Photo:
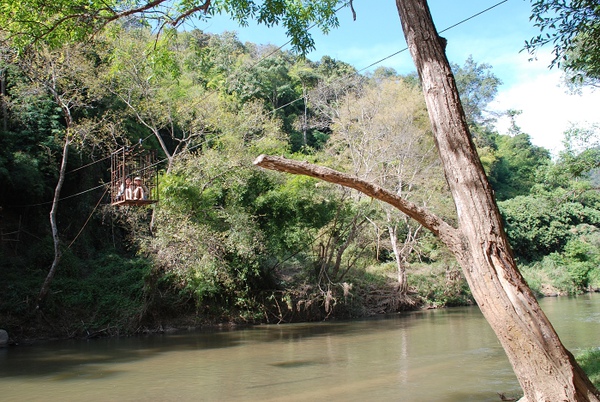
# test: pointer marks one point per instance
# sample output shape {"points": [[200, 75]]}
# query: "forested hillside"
{"points": [[230, 242]]}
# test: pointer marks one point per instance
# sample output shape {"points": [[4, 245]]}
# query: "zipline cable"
{"points": [[346, 4], [88, 219], [397, 52], [63, 198], [473, 16], [87, 165]]}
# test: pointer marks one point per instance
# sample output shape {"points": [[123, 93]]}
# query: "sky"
{"points": [[496, 37]]}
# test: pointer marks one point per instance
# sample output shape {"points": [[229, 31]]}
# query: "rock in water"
{"points": [[3, 338]]}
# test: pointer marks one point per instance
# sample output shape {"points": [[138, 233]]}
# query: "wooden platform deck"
{"points": [[136, 203]]}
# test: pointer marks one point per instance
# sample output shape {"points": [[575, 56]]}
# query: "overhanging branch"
{"points": [[449, 235]]}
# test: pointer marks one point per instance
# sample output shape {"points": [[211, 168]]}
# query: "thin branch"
{"points": [[132, 11], [203, 7]]}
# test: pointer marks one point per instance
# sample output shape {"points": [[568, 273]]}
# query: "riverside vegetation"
{"points": [[232, 243]]}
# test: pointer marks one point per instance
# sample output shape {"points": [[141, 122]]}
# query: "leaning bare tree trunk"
{"points": [[55, 237], [545, 369]]}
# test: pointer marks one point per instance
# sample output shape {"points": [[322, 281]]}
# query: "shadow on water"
{"points": [[65, 360]]}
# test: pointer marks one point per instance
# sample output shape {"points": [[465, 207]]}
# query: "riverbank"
{"points": [[302, 304], [379, 302], [116, 301]]}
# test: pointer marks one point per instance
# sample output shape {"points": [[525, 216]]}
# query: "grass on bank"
{"points": [[589, 360]]}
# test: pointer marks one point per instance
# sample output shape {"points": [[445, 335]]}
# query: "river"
{"points": [[433, 355]]}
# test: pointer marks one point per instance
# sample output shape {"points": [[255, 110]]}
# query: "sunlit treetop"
{"points": [[55, 22]]}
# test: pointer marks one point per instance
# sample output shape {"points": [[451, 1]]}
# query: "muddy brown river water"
{"points": [[434, 355]]}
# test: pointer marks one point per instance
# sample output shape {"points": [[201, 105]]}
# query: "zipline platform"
{"points": [[137, 203], [133, 177]]}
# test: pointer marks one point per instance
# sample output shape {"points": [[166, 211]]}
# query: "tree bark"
{"points": [[543, 366], [443, 230], [545, 369], [3, 75], [400, 268], [53, 224]]}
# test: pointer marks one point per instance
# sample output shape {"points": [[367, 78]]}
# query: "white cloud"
{"points": [[547, 109]]}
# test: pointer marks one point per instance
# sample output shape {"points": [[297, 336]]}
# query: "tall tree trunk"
{"points": [[54, 226], [545, 369], [400, 268]]}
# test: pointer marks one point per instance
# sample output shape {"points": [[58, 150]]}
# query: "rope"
{"points": [[88, 219]]}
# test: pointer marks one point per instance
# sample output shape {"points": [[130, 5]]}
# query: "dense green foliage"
{"points": [[516, 165], [573, 28], [229, 241], [541, 223], [554, 227], [58, 22]]}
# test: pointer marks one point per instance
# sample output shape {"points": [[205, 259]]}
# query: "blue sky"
{"points": [[495, 37]]}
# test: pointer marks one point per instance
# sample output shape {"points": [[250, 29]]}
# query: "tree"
{"points": [[477, 86], [546, 370], [337, 80], [542, 223], [158, 91], [382, 73], [542, 217], [514, 172], [581, 154], [306, 78], [573, 27], [382, 133], [66, 75]]}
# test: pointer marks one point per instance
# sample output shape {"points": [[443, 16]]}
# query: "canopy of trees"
{"points": [[59, 21]]}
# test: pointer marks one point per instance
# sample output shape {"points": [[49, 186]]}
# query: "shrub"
{"points": [[110, 294], [440, 285]]}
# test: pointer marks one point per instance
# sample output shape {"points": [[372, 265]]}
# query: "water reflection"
{"points": [[445, 355]]}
